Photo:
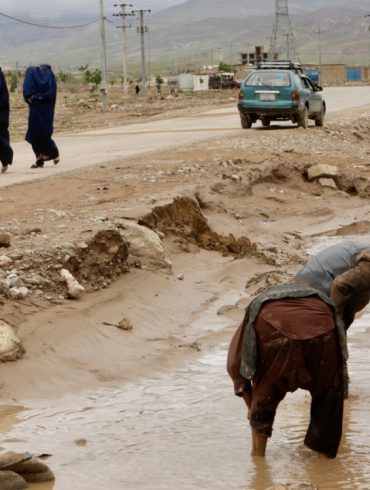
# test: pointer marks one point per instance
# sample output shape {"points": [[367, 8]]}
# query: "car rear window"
{"points": [[268, 79]]}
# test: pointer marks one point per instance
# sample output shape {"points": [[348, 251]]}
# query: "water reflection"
{"points": [[187, 429]]}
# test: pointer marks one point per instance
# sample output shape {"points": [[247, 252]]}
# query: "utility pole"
{"points": [[319, 32], [103, 85], [17, 75], [231, 53], [142, 30], [123, 14], [367, 17], [219, 54]]}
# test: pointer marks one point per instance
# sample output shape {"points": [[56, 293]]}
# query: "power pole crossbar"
{"points": [[142, 30], [123, 14]]}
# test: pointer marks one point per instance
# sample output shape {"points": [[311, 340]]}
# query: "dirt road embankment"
{"points": [[244, 197]]}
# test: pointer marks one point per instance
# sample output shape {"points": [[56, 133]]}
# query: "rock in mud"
{"points": [[322, 170], [146, 249], [125, 324], [11, 348], [74, 288], [325, 182], [11, 481], [5, 261], [33, 471], [4, 239]]}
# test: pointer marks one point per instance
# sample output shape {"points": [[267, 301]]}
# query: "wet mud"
{"points": [[185, 428]]}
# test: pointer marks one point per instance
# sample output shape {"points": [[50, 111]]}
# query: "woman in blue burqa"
{"points": [[6, 152], [39, 91]]}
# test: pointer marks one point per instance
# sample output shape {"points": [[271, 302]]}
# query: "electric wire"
{"points": [[46, 26]]}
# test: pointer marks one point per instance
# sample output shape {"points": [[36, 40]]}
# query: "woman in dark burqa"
{"points": [[6, 152], [39, 91]]}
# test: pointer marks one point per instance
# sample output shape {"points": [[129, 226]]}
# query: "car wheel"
{"points": [[265, 122], [302, 118], [319, 120], [245, 121]]}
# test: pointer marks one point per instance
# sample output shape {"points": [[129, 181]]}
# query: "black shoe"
{"points": [[38, 164], [56, 160]]}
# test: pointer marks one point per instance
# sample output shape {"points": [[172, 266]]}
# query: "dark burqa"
{"points": [[6, 152], [39, 91]]}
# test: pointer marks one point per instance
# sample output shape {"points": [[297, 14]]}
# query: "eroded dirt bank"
{"points": [[150, 406]]}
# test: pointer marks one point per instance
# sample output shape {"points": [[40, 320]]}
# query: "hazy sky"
{"points": [[51, 8]]}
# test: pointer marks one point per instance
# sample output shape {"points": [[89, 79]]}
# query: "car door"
{"points": [[314, 98]]}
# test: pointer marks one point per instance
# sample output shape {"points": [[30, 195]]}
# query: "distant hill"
{"points": [[196, 32]]}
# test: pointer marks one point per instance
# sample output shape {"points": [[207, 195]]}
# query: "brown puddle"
{"points": [[186, 430]]}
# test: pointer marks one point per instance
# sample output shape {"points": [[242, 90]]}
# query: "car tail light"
{"points": [[240, 96], [295, 95]]}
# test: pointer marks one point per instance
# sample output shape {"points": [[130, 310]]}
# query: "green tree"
{"points": [[64, 76], [13, 81], [90, 76], [225, 67], [159, 80]]}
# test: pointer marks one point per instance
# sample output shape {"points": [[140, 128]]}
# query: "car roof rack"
{"points": [[280, 65]]}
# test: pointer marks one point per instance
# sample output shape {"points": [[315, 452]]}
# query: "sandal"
{"points": [[38, 164]]}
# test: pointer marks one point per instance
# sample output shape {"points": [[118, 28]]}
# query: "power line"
{"points": [[22, 21]]}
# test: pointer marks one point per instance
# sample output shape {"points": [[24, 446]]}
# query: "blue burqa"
{"points": [[6, 152], [40, 91]]}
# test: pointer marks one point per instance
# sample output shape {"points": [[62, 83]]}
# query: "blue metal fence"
{"points": [[354, 75]]}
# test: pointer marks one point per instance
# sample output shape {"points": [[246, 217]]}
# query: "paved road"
{"points": [[93, 147]]}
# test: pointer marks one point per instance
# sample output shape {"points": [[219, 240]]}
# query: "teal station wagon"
{"points": [[279, 91]]}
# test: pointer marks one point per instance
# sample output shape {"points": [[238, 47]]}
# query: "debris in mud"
{"points": [[321, 170], [304, 485], [4, 239], [183, 218], [80, 442], [193, 345], [124, 324], [102, 258], [11, 348], [74, 288], [226, 309], [325, 182], [264, 280], [16, 469]]}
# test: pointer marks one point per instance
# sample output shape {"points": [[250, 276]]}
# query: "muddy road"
{"points": [[152, 407]]}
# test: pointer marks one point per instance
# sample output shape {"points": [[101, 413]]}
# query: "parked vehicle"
{"points": [[313, 74], [222, 80], [280, 91]]}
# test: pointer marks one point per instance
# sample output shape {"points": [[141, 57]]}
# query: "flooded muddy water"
{"points": [[186, 430]]}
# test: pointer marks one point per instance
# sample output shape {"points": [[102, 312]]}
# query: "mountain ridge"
{"points": [[192, 34]]}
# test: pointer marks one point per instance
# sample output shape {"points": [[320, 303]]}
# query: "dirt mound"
{"points": [[183, 218], [245, 177], [100, 259]]}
